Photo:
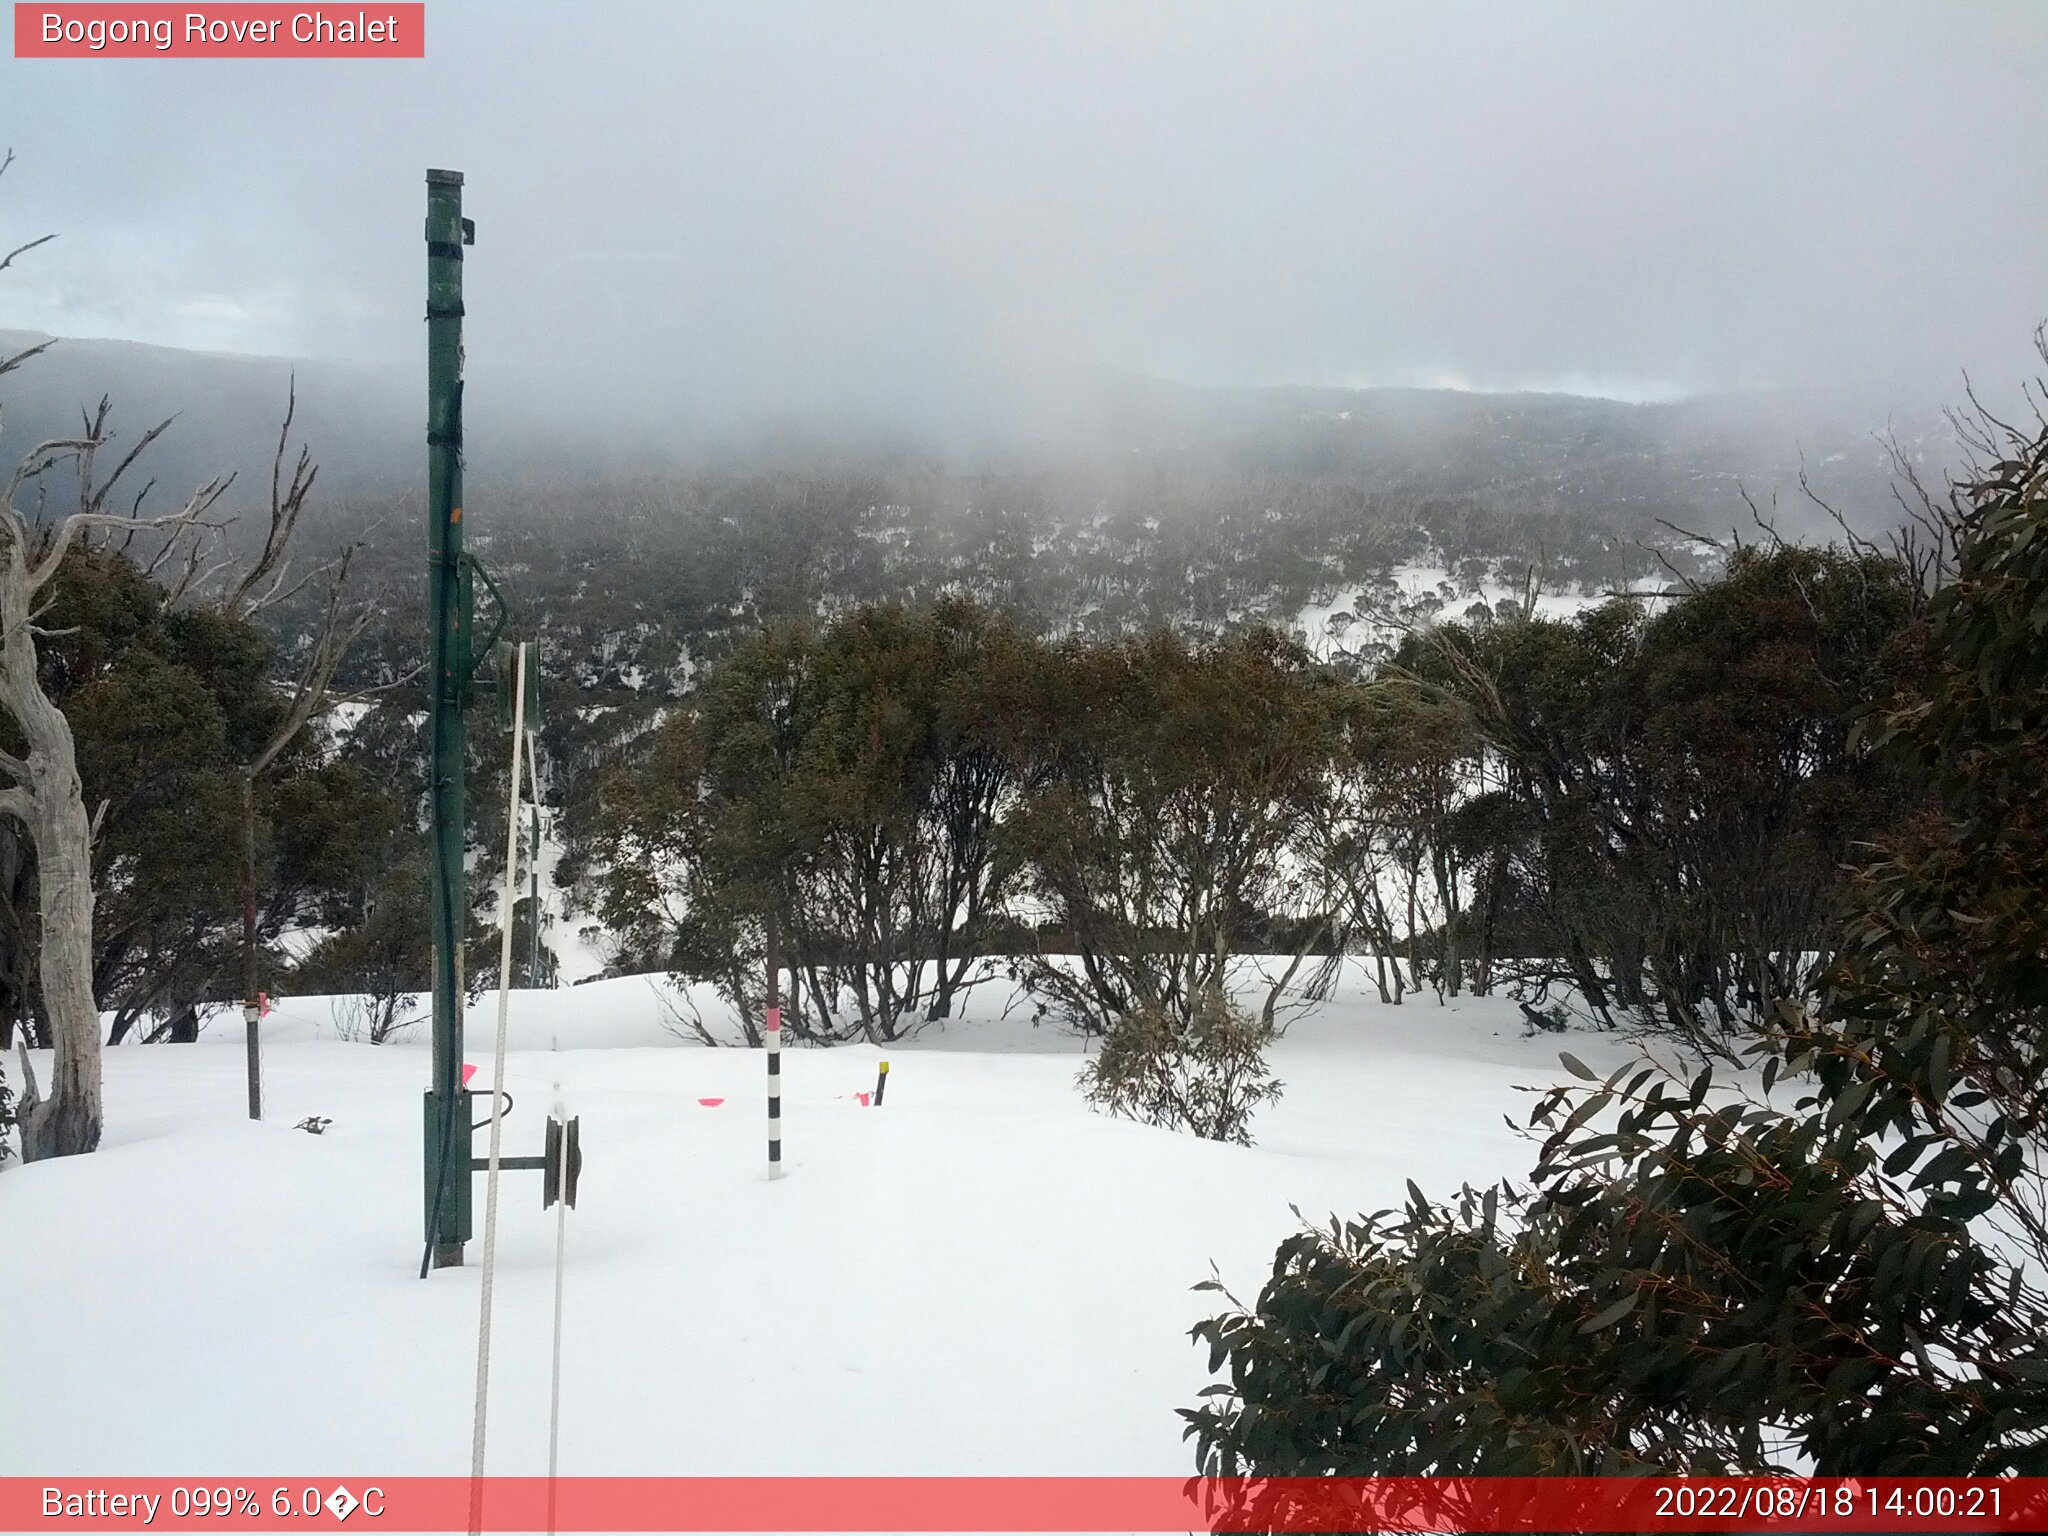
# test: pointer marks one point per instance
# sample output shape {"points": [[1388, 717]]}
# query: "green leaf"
{"points": [[1607, 1317]]}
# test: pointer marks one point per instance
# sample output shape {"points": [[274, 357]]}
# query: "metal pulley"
{"points": [[564, 1162]]}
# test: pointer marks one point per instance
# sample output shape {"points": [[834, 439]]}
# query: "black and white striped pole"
{"points": [[774, 1039]]}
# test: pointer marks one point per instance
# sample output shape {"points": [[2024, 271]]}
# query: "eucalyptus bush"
{"points": [[1207, 1074], [1701, 1278]]}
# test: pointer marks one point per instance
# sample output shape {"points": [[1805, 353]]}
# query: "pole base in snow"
{"points": [[447, 1190], [777, 1171]]}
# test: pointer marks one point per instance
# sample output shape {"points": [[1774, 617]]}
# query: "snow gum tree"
{"points": [[849, 787], [1380, 836], [1172, 834], [1666, 801]]}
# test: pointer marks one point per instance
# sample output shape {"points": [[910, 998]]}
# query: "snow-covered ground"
{"points": [[983, 1276]]}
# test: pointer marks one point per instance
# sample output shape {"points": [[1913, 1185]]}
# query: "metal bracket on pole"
{"points": [[473, 569]]}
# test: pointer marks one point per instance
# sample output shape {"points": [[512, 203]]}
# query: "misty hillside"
{"points": [[228, 409], [1687, 461]]}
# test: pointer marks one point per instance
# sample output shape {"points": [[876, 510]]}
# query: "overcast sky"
{"points": [[788, 207]]}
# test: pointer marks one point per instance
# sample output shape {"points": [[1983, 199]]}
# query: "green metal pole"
{"points": [[448, 667]]}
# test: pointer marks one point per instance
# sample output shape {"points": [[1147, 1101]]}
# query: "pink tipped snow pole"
{"points": [[774, 1037]]}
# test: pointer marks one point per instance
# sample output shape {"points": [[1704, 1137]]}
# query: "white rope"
{"points": [[483, 1326], [533, 778], [561, 1249]]}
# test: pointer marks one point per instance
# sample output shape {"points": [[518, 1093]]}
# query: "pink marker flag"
{"points": [[711, 1103], [468, 1071]]}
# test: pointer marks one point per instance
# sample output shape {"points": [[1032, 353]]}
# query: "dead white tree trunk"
{"points": [[45, 796], [42, 786]]}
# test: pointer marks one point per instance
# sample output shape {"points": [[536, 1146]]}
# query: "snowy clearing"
{"points": [[982, 1277]]}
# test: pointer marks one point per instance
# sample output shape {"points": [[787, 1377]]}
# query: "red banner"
{"points": [[115, 31], [1134, 1504]]}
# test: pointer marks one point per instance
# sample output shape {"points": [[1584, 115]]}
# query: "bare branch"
{"points": [[1697, 538], [287, 501], [1639, 594], [8, 260], [169, 548], [10, 363], [1688, 583], [1768, 525], [40, 459], [191, 515], [2012, 433], [1858, 544], [338, 631], [22, 250], [405, 679], [92, 500], [193, 578]]}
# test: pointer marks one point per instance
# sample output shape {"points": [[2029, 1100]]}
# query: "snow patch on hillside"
{"points": [[1364, 622]]}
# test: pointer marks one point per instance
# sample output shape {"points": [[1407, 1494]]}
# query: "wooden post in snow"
{"points": [[252, 1006]]}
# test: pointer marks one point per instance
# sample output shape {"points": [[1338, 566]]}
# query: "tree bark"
{"points": [[66, 1121], [17, 893]]}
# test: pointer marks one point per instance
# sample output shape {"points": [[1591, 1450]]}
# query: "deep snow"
{"points": [[983, 1276]]}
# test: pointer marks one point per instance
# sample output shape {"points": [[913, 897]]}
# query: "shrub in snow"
{"points": [[375, 1018], [1207, 1075], [6, 1114]]}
